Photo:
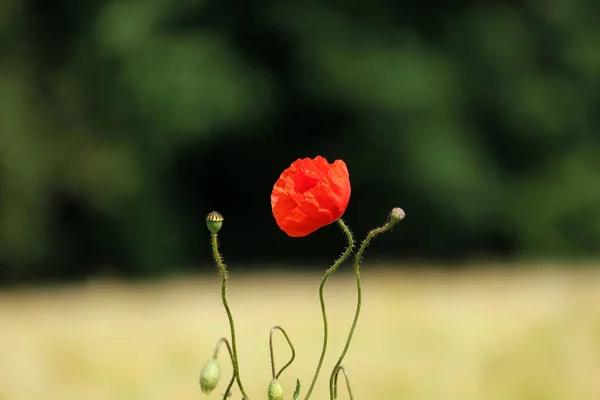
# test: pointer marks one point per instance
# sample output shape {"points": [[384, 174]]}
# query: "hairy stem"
{"points": [[328, 273], [335, 382], [224, 280], [274, 374], [392, 220], [216, 353]]}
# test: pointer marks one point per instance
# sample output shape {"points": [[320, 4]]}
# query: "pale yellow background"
{"points": [[532, 334]]}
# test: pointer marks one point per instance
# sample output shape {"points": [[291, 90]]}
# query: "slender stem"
{"points": [[273, 329], [224, 280], [341, 368], [328, 273], [351, 333], [216, 353], [392, 219]]}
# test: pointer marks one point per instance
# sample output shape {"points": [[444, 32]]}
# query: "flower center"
{"points": [[303, 183]]}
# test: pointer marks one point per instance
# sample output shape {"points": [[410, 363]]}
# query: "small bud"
{"points": [[209, 377], [397, 214], [275, 390], [214, 222]]}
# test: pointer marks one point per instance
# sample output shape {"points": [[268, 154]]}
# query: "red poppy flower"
{"points": [[310, 194]]}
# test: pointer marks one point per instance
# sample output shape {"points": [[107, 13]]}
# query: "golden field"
{"points": [[489, 334]]}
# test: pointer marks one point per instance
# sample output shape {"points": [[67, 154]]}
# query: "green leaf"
{"points": [[297, 391]]}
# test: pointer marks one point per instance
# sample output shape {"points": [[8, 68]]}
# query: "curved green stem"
{"points": [[216, 353], [224, 280], [393, 218], [341, 368], [328, 273], [291, 360]]}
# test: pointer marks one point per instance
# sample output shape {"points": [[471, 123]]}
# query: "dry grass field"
{"points": [[485, 335]]}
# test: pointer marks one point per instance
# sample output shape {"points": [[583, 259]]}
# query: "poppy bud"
{"points": [[209, 377], [397, 214], [275, 390], [214, 222]]}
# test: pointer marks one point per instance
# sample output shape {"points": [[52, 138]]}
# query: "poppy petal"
{"points": [[310, 194]]}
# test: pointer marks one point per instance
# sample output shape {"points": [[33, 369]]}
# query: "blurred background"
{"points": [[124, 122]]}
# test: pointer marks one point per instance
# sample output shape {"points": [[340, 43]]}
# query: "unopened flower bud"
{"points": [[397, 214], [275, 390], [209, 377], [214, 222]]}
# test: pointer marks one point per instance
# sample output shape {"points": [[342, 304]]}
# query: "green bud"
{"points": [[214, 222], [209, 377], [275, 390]]}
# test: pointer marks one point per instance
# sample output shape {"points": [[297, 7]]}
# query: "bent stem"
{"points": [[216, 353], [392, 220], [335, 382], [273, 329], [224, 280], [328, 273]]}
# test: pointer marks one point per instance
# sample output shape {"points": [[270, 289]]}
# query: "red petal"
{"points": [[309, 195]]}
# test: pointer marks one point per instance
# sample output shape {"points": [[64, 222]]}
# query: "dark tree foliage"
{"points": [[125, 122]]}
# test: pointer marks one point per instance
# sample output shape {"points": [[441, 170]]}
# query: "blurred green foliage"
{"points": [[124, 122]]}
